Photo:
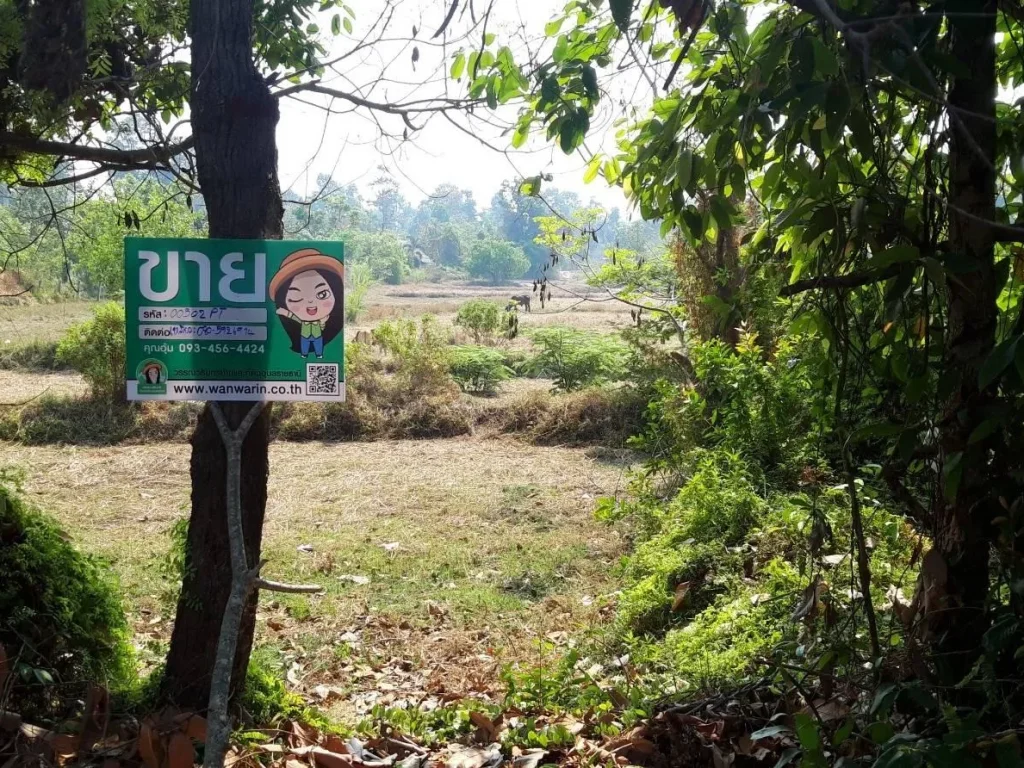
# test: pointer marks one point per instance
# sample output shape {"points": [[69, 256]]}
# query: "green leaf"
{"points": [[807, 732], [593, 167], [825, 62], [738, 179], [898, 254], [997, 362], [721, 211], [458, 66], [621, 12], [567, 135], [336, 24], [589, 78], [983, 430], [883, 699], [771, 730], [520, 135], [549, 90], [843, 733], [863, 139], [684, 167], [531, 186], [878, 429], [347, 24], [934, 269], [552, 27]]}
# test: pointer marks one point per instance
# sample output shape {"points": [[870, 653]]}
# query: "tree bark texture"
{"points": [[234, 120], [955, 617]]}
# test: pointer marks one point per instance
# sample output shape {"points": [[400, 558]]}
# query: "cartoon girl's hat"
{"points": [[303, 261]]}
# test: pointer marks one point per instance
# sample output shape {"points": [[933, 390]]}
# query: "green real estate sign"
{"points": [[234, 319]]}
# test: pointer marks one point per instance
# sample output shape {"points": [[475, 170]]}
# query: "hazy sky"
{"points": [[349, 146]]}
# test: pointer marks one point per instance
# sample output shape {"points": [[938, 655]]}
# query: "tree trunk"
{"points": [[955, 609], [234, 119]]}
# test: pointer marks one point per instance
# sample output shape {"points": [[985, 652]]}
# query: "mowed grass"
{"points": [[22, 323], [441, 560]]}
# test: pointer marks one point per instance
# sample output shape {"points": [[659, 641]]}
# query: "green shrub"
{"points": [[478, 369], [61, 620], [480, 317], [418, 354], [577, 359], [765, 408], [96, 349]]}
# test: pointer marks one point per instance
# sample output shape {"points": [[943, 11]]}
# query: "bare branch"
{"points": [[117, 157], [292, 589], [841, 282]]}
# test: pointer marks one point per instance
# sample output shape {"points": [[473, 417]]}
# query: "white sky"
{"points": [[348, 146]]}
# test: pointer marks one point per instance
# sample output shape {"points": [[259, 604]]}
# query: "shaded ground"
{"points": [[441, 559]]}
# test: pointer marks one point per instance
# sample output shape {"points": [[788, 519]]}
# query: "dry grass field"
{"points": [[447, 557], [441, 559], [572, 304]]}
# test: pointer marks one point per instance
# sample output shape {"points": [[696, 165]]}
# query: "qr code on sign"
{"points": [[322, 379]]}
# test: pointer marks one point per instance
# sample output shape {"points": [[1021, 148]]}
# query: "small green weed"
{"points": [[577, 359], [478, 369], [481, 317]]}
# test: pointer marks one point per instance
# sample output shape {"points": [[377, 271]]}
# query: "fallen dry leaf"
{"points": [[359, 581], [149, 747], [680, 595], [195, 728], [334, 743], [487, 728], [472, 757], [324, 758], [179, 751], [64, 744]]}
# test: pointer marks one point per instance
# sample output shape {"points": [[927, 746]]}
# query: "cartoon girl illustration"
{"points": [[307, 290]]}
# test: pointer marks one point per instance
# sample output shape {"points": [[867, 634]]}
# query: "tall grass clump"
{"points": [[360, 281]]}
